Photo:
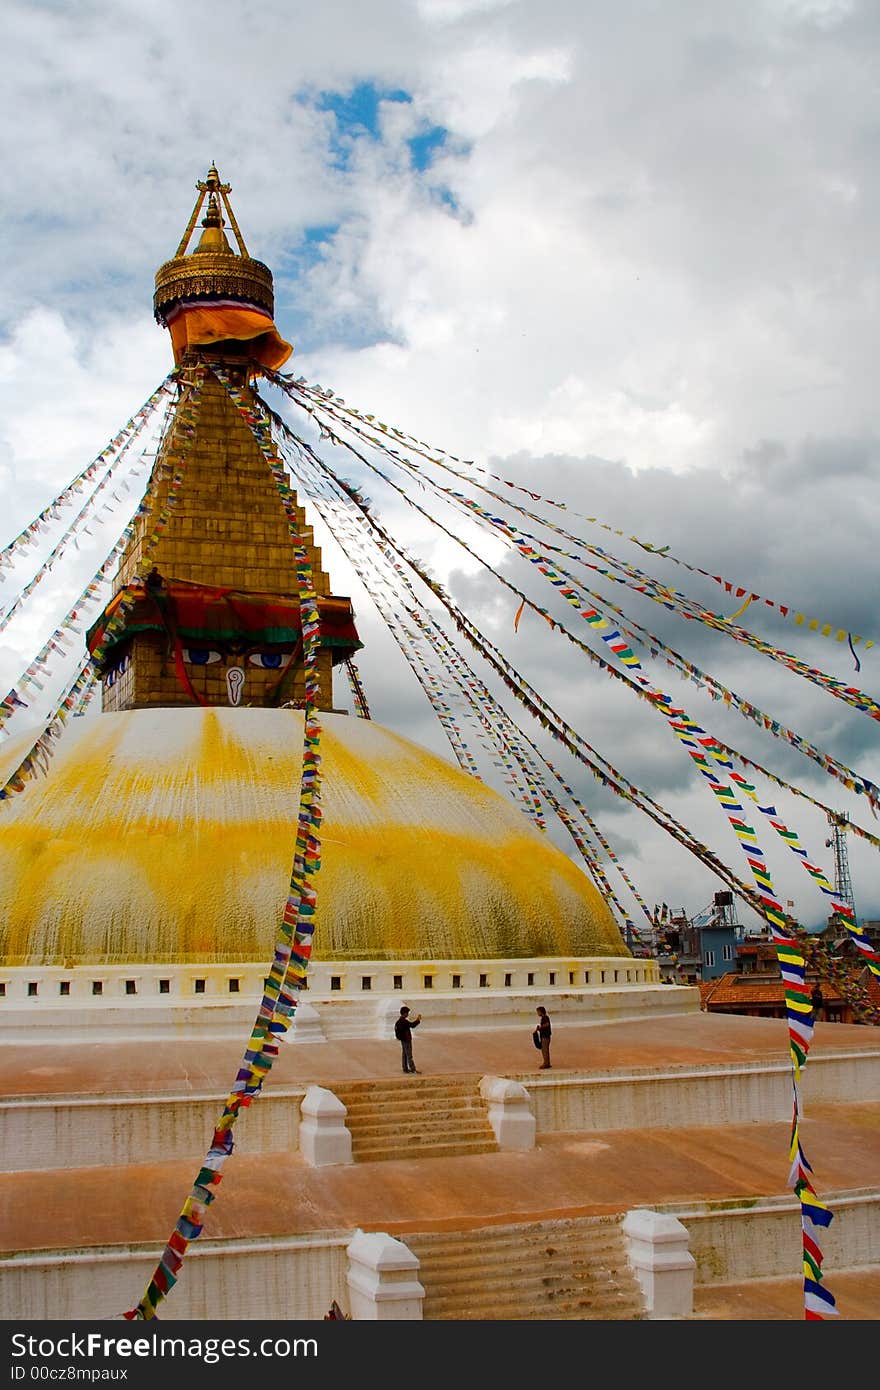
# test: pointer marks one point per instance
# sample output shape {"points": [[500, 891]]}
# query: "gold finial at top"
{"points": [[213, 238], [212, 183], [213, 217], [213, 187]]}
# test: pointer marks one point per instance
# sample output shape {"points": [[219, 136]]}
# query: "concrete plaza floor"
{"points": [[41, 1067]]}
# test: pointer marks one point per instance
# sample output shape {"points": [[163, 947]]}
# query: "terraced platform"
{"points": [[273, 1205]]}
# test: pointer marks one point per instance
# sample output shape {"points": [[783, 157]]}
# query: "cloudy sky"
{"points": [[622, 254]]}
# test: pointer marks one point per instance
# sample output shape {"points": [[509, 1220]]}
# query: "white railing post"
{"points": [[307, 1026], [324, 1137], [510, 1112], [657, 1246], [382, 1283]]}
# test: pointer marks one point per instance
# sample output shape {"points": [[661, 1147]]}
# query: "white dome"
{"points": [[168, 835]]}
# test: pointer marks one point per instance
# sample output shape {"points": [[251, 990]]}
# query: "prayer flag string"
{"points": [[358, 695], [840, 908], [701, 746], [59, 642], [155, 508], [330, 401], [87, 513], [604, 771], [294, 946], [493, 717], [383, 581], [36, 759], [311, 400], [853, 781], [27, 537]]}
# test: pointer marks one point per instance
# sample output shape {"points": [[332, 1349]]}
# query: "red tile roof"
{"points": [[762, 989], [751, 989]]}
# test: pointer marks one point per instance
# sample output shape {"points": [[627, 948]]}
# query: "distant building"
{"points": [[756, 987], [842, 942], [691, 950]]}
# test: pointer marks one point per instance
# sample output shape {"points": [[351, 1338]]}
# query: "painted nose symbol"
{"points": [[234, 684]]}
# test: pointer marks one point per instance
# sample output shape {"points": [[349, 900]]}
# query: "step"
{"points": [[412, 1089], [419, 1124], [414, 1081], [564, 1312], [590, 1245], [461, 1261], [459, 1078], [565, 1270], [483, 1298], [540, 1236], [409, 1090], [597, 1285], [416, 1125], [581, 1278], [528, 1296], [393, 1114], [413, 1132]]}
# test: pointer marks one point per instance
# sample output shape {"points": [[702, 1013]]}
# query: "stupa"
{"points": [[145, 875], [147, 871]]}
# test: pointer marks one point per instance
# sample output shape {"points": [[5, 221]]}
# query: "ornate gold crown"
{"points": [[212, 268]]}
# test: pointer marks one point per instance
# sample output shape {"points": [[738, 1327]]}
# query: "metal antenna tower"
{"points": [[839, 822]]}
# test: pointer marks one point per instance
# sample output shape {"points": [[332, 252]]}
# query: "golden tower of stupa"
{"points": [[216, 621], [164, 830]]}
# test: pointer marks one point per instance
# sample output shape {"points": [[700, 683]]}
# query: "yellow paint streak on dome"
{"points": [[163, 835], [456, 897]]}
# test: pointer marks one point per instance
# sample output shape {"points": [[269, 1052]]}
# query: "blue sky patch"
{"points": [[359, 108], [294, 263], [424, 147], [357, 115], [447, 198], [315, 237]]}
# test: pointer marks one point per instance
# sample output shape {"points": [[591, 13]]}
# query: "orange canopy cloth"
{"points": [[197, 323]]}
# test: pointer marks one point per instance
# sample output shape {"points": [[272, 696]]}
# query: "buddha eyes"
{"points": [[113, 676], [197, 657], [270, 661]]}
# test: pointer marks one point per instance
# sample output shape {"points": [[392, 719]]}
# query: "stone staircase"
{"points": [[553, 1269], [557, 1270], [416, 1117]]}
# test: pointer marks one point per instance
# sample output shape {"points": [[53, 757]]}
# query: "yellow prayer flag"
{"points": [[740, 610]]}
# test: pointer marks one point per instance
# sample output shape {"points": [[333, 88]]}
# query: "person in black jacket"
{"points": [[403, 1032], [544, 1031]]}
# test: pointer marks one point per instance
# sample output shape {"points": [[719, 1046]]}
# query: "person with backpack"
{"points": [[403, 1032], [542, 1035]]}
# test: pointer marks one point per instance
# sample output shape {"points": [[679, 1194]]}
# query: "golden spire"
{"points": [[213, 238], [212, 268]]}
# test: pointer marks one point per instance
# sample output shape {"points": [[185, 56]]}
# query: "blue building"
{"points": [[702, 947]]}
